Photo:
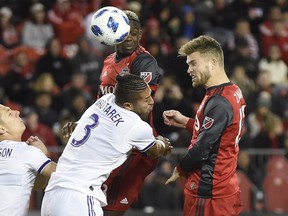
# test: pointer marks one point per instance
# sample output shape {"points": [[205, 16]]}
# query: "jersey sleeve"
{"points": [[146, 67], [141, 136], [35, 159], [218, 114]]}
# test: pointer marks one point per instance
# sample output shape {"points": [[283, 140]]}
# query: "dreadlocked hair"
{"points": [[128, 87]]}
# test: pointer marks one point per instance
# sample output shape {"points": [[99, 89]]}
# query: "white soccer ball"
{"points": [[110, 25]]}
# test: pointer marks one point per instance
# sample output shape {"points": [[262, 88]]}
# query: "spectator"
{"points": [[37, 31], [43, 106], [263, 83], [239, 77], [68, 23], [242, 30], [9, 33], [46, 83], [36, 128], [156, 195], [276, 68], [55, 63], [77, 86], [241, 55], [18, 81], [86, 61], [170, 96], [264, 127], [266, 27], [245, 164], [279, 38]]}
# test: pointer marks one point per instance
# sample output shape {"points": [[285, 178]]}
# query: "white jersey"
{"points": [[19, 164], [101, 142]]}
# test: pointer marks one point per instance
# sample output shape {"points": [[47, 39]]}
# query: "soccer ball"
{"points": [[110, 25]]}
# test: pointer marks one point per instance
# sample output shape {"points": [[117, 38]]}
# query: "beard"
{"points": [[201, 79]]}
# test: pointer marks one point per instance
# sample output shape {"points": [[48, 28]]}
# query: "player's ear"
{"points": [[128, 106], [2, 130]]}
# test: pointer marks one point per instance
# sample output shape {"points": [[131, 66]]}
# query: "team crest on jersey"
{"points": [[147, 76], [208, 122], [125, 69]]}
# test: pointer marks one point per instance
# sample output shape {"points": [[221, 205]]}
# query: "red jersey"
{"points": [[140, 63], [123, 185], [210, 164]]}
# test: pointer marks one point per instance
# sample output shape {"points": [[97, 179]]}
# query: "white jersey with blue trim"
{"points": [[102, 141], [19, 164]]}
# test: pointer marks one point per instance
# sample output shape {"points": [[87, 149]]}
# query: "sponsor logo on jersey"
{"points": [[147, 76], [208, 122], [124, 201]]}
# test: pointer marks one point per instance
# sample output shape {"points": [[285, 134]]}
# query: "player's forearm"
{"points": [[160, 148]]}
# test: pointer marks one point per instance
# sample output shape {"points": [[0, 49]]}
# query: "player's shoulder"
{"points": [[141, 50], [110, 57]]}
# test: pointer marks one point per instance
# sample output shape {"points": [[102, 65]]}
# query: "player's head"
{"points": [[133, 40], [133, 93], [204, 54], [11, 125]]}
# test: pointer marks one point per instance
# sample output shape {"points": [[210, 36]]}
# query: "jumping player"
{"points": [[124, 184], [210, 163], [102, 140], [20, 164]]}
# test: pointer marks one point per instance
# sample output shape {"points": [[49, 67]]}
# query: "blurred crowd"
{"points": [[50, 65]]}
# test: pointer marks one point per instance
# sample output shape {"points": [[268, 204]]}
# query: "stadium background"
{"points": [[50, 67]]}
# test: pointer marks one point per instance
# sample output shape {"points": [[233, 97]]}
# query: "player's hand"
{"points": [[175, 118], [175, 175], [167, 143], [68, 128], [36, 142]]}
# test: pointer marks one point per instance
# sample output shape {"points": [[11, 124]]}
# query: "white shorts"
{"points": [[60, 202]]}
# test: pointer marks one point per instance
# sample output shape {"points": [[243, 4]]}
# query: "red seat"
{"points": [[278, 162], [276, 191], [246, 187]]}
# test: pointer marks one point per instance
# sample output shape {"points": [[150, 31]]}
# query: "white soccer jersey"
{"points": [[101, 142], [19, 164]]}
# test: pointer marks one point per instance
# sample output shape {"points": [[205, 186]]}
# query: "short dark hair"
{"points": [[128, 87], [132, 16]]}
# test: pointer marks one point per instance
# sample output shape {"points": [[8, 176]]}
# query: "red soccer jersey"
{"points": [[212, 157], [140, 63], [126, 181]]}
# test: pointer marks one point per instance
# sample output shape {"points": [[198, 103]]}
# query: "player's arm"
{"points": [[218, 115], [45, 171], [42, 178], [176, 119], [161, 147]]}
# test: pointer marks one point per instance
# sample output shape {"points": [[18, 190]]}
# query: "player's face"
{"points": [[144, 105], [132, 41], [11, 120], [198, 69]]}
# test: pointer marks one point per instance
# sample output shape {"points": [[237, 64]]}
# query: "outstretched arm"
{"points": [[175, 118], [162, 147], [42, 178]]}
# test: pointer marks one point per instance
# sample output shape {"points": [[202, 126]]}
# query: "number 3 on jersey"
{"points": [[88, 128]]}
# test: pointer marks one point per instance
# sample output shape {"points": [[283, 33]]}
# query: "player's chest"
{"points": [[111, 70]]}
